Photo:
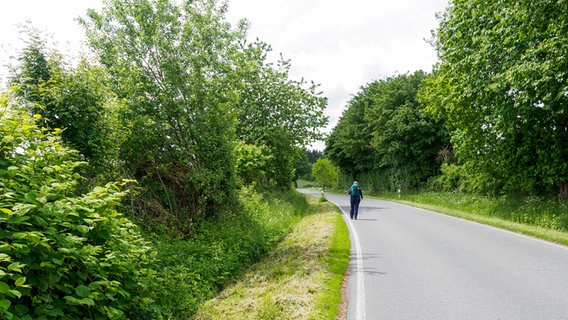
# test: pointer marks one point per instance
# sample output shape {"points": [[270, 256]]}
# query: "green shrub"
{"points": [[63, 255], [192, 271]]}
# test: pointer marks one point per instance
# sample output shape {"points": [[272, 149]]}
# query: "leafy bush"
{"points": [[192, 271], [63, 255]]}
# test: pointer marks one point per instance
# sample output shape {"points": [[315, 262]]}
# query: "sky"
{"points": [[341, 45]]}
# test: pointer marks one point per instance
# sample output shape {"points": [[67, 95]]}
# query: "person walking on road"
{"points": [[356, 196]]}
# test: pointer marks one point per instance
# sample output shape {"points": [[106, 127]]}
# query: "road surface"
{"points": [[409, 263]]}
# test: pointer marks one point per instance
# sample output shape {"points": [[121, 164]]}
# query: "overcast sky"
{"points": [[341, 45]]}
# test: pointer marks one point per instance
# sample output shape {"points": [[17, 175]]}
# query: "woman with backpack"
{"points": [[356, 196]]}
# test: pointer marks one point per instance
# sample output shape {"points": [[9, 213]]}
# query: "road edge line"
{"points": [[360, 298]]}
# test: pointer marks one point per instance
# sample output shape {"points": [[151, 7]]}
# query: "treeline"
{"points": [[384, 139], [173, 120], [490, 119]]}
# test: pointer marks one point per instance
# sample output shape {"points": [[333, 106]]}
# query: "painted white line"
{"points": [[360, 310], [360, 292]]}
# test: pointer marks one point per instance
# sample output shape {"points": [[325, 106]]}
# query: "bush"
{"points": [[193, 270], [63, 255]]}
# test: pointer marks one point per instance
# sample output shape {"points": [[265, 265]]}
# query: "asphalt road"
{"points": [[409, 263]]}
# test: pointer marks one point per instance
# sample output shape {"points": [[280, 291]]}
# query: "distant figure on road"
{"points": [[356, 196]]}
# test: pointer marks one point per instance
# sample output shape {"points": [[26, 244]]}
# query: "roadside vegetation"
{"points": [[485, 134], [194, 270], [300, 279], [138, 180], [531, 216]]}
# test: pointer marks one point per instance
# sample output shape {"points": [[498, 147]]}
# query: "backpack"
{"points": [[355, 191]]}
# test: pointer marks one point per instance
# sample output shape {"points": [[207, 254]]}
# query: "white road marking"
{"points": [[360, 292], [360, 297]]}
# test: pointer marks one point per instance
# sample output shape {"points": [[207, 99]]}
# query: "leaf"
{"points": [[16, 293], [20, 282], [30, 196], [57, 261], [5, 304], [82, 291], [16, 266], [21, 309], [71, 300], [113, 313], [4, 288], [87, 301], [83, 229]]}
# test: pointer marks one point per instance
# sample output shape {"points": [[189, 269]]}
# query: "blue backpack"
{"points": [[355, 191]]}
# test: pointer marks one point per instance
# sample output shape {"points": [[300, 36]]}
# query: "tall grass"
{"points": [[192, 271]]}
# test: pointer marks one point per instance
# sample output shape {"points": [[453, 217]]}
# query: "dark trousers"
{"points": [[354, 207]]}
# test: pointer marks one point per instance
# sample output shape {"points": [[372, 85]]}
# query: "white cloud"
{"points": [[344, 45]]}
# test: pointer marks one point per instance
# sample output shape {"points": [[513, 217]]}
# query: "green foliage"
{"points": [[274, 111], [501, 88], [348, 145], [171, 63], [72, 99], [252, 162], [194, 270], [63, 256], [384, 135], [33, 70], [325, 173]]}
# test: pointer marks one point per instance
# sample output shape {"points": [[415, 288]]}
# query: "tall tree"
{"points": [[349, 144], [502, 86], [171, 63], [33, 69], [384, 137], [325, 173], [406, 140], [275, 111]]}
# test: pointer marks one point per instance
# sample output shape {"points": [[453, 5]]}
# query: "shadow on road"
{"points": [[367, 270]]}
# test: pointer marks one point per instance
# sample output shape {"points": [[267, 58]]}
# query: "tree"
{"points": [[73, 99], [33, 70], [406, 140], [313, 155], [275, 111], [172, 64], [501, 88], [384, 138], [325, 173], [252, 163], [349, 144]]}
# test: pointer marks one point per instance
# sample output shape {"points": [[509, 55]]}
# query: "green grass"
{"points": [[192, 271], [300, 279], [338, 262], [305, 183], [532, 216]]}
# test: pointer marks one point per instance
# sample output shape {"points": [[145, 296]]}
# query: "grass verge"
{"points": [[300, 279], [191, 271], [534, 220]]}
